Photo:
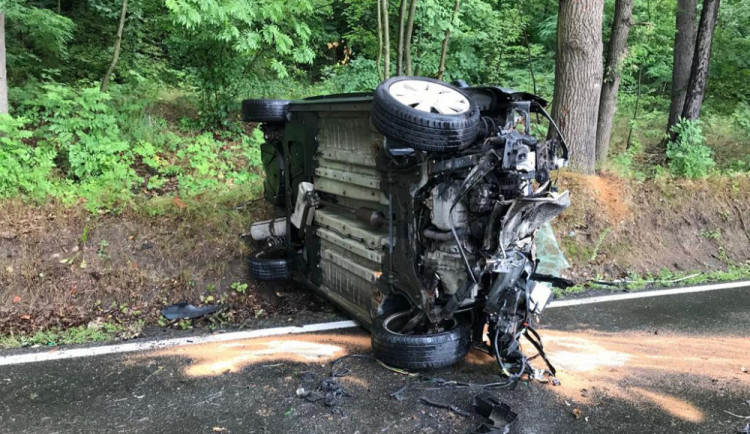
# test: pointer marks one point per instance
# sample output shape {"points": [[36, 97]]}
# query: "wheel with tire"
{"points": [[269, 264], [419, 351], [425, 114], [264, 110]]}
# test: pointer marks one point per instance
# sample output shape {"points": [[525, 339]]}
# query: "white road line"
{"points": [[647, 294], [336, 325], [155, 345]]}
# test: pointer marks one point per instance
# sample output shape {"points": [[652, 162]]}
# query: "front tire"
{"points": [[419, 351], [425, 114]]}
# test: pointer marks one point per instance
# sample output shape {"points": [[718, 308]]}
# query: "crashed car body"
{"points": [[414, 209]]}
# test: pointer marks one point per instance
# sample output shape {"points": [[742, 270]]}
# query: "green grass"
{"points": [[663, 279], [74, 335]]}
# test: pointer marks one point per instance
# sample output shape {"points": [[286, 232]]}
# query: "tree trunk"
{"points": [[618, 47], [386, 42], [578, 78], [531, 63], [400, 49], [3, 72], [380, 39], [684, 44], [408, 36], [446, 39], [118, 42], [701, 57]]}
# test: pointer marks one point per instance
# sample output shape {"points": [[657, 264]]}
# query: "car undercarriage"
{"points": [[414, 208]]}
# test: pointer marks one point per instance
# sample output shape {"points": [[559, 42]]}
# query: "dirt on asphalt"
{"points": [[666, 364]]}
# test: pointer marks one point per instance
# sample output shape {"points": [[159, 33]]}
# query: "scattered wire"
{"points": [[450, 407]]}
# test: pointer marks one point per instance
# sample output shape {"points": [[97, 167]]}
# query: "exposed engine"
{"points": [[474, 218]]}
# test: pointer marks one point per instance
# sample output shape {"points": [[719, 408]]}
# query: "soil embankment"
{"points": [[616, 227], [61, 266]]}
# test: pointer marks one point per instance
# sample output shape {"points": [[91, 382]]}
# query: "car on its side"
{"points": [[414, 209]]}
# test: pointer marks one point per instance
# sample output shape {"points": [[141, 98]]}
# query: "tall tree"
{"points": [[446, 39], [408, 35], [3, 72], [401, 31], [684, 45], [702, 55], [618, 47], [386, 41], [118, 44], [380, 40], [578, 78]]}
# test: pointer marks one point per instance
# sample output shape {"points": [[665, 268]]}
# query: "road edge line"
{"points": [[647, 294], [130, 347]]}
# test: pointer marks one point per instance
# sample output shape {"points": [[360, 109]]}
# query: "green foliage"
{"points": [[94, 332], [687, 153], [25, 168], [358, 75], [71, 144], [168, 125], [220, 41], [239, 287], [741, 117], [36, 38], [664, 279]]}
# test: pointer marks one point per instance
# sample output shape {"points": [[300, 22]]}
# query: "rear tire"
{"points": [[425, 114], [419, 351], [269, 264], [264, 110]]}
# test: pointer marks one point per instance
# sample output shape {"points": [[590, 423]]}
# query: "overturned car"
{"points": [[414, 209]]}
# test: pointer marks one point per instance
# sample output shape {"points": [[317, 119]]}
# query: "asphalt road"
{"points": [[666, 364]]}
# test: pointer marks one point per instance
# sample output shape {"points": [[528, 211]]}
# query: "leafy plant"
{"points": [[239, 287], [25, 169], [687, 153]]}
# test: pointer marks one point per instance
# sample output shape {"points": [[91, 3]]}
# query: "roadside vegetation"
{"points": [[126, 176]]}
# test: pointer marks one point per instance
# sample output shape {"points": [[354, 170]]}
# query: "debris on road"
{"points": [[500, 419], [399, 394], [450, 407], [187, 311], [330, 390]]}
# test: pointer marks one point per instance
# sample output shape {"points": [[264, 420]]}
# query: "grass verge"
{"points": [[664, 279]]}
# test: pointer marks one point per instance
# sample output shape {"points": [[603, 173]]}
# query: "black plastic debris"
{"points": [[330, 391], [187, 311], [499, 418]]}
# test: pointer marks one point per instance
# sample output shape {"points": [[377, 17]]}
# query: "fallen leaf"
{"points": [[180, 204], [577, 413], [16, 299]]}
